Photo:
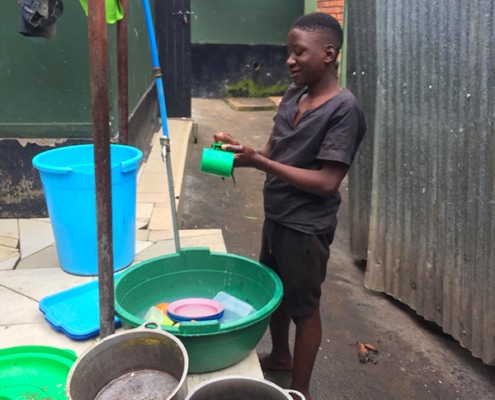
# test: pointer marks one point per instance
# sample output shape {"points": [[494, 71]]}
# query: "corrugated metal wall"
{"points": [[430, 101], [361, 76]]}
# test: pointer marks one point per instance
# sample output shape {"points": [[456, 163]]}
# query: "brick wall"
{"points": [[332, 7]]}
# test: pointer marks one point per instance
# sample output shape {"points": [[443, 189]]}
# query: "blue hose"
{"points": [[156, 66], [163, 114]]}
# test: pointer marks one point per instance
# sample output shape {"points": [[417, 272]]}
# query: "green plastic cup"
{"points": [[216, 161]]}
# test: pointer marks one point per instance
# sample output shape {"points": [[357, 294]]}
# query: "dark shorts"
{"points": [[300, 260]]}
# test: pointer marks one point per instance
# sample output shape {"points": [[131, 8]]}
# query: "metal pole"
{"points": [[122, 56], [98, 60]]}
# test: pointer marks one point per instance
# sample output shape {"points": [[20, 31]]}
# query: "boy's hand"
{"points": [[244, 155], [224, 138]]}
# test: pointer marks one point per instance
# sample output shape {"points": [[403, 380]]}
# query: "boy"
{"points": [[315, 136]]}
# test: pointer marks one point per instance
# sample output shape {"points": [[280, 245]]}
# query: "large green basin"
{"points": [[197, 272]]}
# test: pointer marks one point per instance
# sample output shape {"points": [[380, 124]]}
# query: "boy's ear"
{"points": [[331, 53]]}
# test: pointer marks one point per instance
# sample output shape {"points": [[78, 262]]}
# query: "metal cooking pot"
{"points": [[237, 387], [137, 364]]}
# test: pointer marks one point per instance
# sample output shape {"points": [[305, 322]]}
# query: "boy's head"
{"points": [[313, 45], [323, 23]]}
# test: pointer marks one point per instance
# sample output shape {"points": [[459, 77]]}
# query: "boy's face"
{"points": [[309, 54]]}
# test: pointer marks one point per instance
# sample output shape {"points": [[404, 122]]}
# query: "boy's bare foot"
{"points": [[269, 364]]}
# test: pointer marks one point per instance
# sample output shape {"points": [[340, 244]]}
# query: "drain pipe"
{"points": [[122, 57], [98, 60], [165, 139]]}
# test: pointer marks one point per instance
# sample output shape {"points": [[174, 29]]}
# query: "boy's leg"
{"points": [[300, 260], [280, 358], [307, 343]]}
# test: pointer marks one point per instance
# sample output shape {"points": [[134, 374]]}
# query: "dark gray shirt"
{"points": [[331, 131]]}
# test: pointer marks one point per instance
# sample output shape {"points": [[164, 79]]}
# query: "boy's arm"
{"points": [[323, 182]]}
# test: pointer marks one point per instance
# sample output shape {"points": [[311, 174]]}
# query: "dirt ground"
{"points": [[415, 361]]}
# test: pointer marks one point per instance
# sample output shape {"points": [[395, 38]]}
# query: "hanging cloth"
{"points": [[39, 17], [114, 11]]}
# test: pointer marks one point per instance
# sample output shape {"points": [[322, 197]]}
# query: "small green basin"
{"points": [[34, 372]]}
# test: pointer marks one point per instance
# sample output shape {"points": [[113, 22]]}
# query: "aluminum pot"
{"points": [[238, 387], [138, 364]]}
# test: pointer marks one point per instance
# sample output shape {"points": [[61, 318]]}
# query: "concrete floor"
{"points": [[416, 361]]}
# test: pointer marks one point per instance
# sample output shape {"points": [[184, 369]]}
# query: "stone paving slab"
{"points": [[250, 104]]}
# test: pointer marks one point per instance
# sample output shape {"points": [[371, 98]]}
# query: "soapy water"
{"points": [[140, 385]]}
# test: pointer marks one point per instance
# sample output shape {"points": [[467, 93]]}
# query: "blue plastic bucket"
{"points": [[68, 178]]}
